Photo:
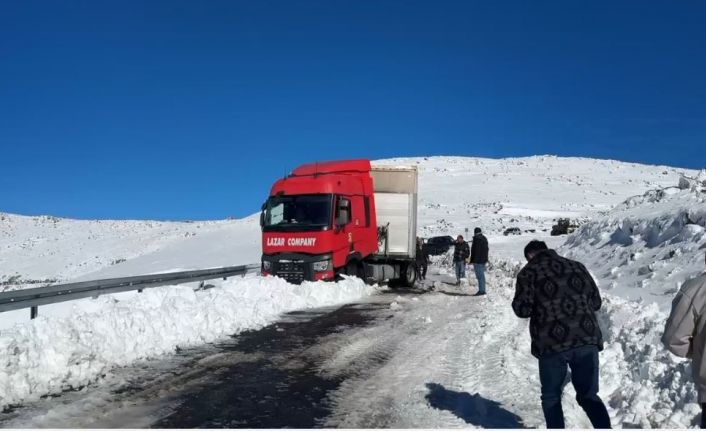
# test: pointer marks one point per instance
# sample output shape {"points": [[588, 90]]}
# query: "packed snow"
{"points": [[641, 234]]}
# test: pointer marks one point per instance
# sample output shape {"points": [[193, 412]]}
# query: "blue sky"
{"points": [[189, 110]]}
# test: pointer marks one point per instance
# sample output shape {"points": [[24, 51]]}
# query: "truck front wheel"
{"points": [[354, 268]]}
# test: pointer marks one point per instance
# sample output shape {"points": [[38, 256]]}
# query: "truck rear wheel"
{"points": [[409, 275]]}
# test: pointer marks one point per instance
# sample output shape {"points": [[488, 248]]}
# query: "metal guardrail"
{"points": [[34, 297]]}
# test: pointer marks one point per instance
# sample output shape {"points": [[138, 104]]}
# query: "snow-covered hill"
{"points": [[455, 194], [38, 250], [530, 192]]}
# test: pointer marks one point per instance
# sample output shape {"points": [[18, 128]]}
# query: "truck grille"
{"points": [[293, 272]]}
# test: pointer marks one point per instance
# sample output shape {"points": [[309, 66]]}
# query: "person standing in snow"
{"points": [[560, 298], [479, 257], [685, 332], [422, 258], [461, 253]]}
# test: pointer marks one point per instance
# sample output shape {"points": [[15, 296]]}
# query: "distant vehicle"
{"points": [[563, 226], [512, 231], [439, 245]]}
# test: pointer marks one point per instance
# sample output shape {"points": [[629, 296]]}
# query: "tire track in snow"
{"points": [[456, 361]]}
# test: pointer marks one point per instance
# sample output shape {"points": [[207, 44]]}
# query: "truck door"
{"points": [[343, 219]]}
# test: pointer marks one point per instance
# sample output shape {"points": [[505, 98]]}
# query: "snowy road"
{"points": [[412, 359]]}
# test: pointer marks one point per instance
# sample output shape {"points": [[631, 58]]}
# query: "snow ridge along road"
{"points": [[50, 355]]}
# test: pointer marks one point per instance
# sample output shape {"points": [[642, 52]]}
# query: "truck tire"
{"points": [[355, 268], [409, 275]]}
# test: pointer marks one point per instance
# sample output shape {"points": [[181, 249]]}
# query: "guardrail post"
{"points": [[33, 312]]}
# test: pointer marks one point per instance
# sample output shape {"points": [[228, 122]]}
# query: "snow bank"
{"points": [[646, 247], [644, 385], [49, 355], [640, 253]]}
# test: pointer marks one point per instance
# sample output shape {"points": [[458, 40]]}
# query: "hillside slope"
{"points": [[455, 194]]}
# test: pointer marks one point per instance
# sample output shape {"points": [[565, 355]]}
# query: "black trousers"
{"points": [[703, 415], [421, 270], [553, 368]]}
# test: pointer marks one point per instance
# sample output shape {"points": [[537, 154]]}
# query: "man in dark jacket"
{"points": [[561, 298], [461, 253], [422, 258], [479, 257]]}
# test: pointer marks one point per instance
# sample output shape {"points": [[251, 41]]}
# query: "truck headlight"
{"points": [[266, 265], [322, 265]]}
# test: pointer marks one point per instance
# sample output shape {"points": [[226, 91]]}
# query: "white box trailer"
{"points": [[395, 195], [395, 189]]}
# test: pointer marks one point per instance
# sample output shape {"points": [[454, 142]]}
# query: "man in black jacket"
{"points": [[479, 257], [561, 299], [422, 258], [461, 253]]}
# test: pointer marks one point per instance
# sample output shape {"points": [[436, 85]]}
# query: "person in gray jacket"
{"points": [[685, 332]]}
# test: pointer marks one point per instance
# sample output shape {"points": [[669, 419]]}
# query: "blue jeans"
{"points": [[583, 362], [460, 270], [480, 276]]}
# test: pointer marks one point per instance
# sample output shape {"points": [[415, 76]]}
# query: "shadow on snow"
{"points": [[474, 409]]}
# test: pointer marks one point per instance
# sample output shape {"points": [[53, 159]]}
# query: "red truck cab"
{"points": [[319, 221]]}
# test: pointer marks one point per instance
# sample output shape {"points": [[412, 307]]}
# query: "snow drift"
{"points": [[646, 247], [645, 386]]}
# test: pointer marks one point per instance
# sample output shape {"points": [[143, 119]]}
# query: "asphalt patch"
{"points": [[281, 388]]}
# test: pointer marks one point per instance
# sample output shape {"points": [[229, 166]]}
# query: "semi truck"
{"points": [[327, 219]]}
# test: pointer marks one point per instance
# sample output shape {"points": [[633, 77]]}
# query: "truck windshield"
{"points": [[298, 213]]}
